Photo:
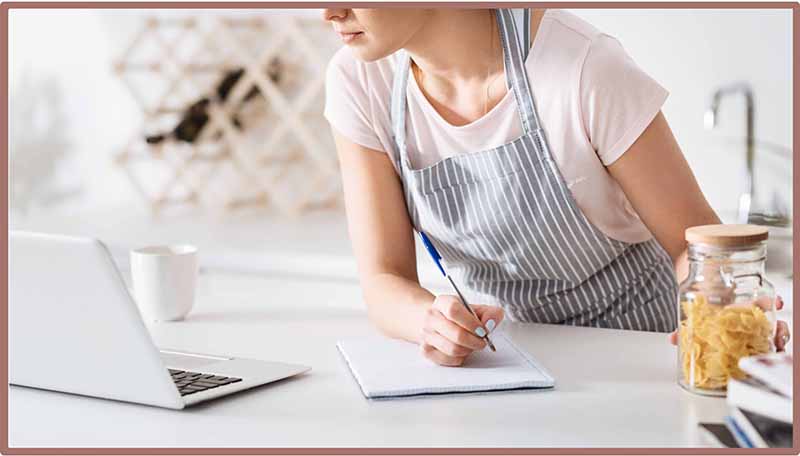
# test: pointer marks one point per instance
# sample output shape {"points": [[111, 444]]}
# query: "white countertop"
{"points": [[614, 388], [314, 246]]}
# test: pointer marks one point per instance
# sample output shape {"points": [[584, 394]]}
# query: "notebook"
{"points": [[390, 368]]}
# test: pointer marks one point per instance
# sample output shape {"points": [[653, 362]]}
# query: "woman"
{"points": [[530, 149]]}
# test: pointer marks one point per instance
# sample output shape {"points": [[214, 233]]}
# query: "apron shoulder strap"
{"points": [[522, 26], [398, 106], [516, 45]]}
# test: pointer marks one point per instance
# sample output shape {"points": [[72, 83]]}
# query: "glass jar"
{"points": [[726, 306]]}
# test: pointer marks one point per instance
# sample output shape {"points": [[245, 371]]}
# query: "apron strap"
{"points": [[522, 23], [398, 107], [514, 53]]}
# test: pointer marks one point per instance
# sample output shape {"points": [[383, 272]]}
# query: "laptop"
{"points": [[74, 328]]}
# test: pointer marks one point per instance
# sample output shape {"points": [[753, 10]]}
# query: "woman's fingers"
{"points": [[430, 352], [782, 329], [765, 303], [451, 332], [673, 337], [781, 335], [452, 308], [445, 345], [490, 316], [439, 323]]}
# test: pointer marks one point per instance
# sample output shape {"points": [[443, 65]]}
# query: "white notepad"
{"points": [[385, 368]]}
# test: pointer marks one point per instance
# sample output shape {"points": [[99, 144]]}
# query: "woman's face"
{"points": [[373, 33]]}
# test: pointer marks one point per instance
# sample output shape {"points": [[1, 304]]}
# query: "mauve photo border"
{"points": [[4, 101]]}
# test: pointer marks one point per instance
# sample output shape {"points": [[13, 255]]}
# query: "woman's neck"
{"points": [[459, 60], [456, 46]]}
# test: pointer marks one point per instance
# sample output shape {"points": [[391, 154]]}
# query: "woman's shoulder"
{"points": [[572, 44], [566, 23]]}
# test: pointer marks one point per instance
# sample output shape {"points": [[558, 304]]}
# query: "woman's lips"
{"points": [[349, 37]]}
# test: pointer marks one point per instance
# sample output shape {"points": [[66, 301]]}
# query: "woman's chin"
{"points": [[366, 53]]}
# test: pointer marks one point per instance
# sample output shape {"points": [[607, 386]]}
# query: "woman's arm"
{"points": [[659, 184], [382, 239], [383, 242], [662, 189]]}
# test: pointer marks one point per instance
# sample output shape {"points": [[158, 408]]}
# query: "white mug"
{"points": [[164, 279]]}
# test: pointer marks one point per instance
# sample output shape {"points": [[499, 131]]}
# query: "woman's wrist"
{"points": [[418, 302], [397, 305], [417, 312]]}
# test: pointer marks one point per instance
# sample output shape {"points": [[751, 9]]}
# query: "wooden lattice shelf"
{"points": [[253, 87]]}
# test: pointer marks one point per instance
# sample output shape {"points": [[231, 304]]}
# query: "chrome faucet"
{"points": [[746, 198], [778, 216]]}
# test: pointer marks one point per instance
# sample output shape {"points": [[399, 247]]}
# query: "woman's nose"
{"points": [[330, 14]]}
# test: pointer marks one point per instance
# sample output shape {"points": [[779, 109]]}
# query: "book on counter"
{"points": [[760, 431], [760, 406], [718, 436], [772, 369], [751, 394], [768, 389], [744, 429], [738, 435]]}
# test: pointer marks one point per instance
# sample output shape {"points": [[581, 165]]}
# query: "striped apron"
{"points": [[509, 229]]}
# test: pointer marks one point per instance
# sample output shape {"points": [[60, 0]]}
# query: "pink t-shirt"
{"points": [[592, 98]]}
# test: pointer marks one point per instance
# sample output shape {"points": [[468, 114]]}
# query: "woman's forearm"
{"points": [[396, 305]]}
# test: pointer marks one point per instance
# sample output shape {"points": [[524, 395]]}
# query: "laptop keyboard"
{"points": [[189, 382]]}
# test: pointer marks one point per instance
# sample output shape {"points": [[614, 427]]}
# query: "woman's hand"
{"points": [[450, 333], [781, 332]]}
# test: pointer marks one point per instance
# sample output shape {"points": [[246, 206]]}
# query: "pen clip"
{"points": [[432, 251]]}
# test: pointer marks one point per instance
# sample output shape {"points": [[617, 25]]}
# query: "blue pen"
{"points": [[436, 258]]}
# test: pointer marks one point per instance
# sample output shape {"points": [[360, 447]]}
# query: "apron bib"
{"points": [[509, 229]]}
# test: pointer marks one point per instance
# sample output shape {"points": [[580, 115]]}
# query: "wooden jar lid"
{"points": [[727, 235]]}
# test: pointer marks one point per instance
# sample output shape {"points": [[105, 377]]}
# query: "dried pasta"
{"points": [[713, 338]]}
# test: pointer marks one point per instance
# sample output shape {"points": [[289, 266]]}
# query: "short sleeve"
{"points": [[347, 104], [618, 99]]}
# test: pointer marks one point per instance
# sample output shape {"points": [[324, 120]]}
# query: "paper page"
{"points": [[386, 367]]}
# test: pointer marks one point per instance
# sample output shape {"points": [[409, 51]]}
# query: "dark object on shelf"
{"points": [[195, 117], [192, 122]]}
